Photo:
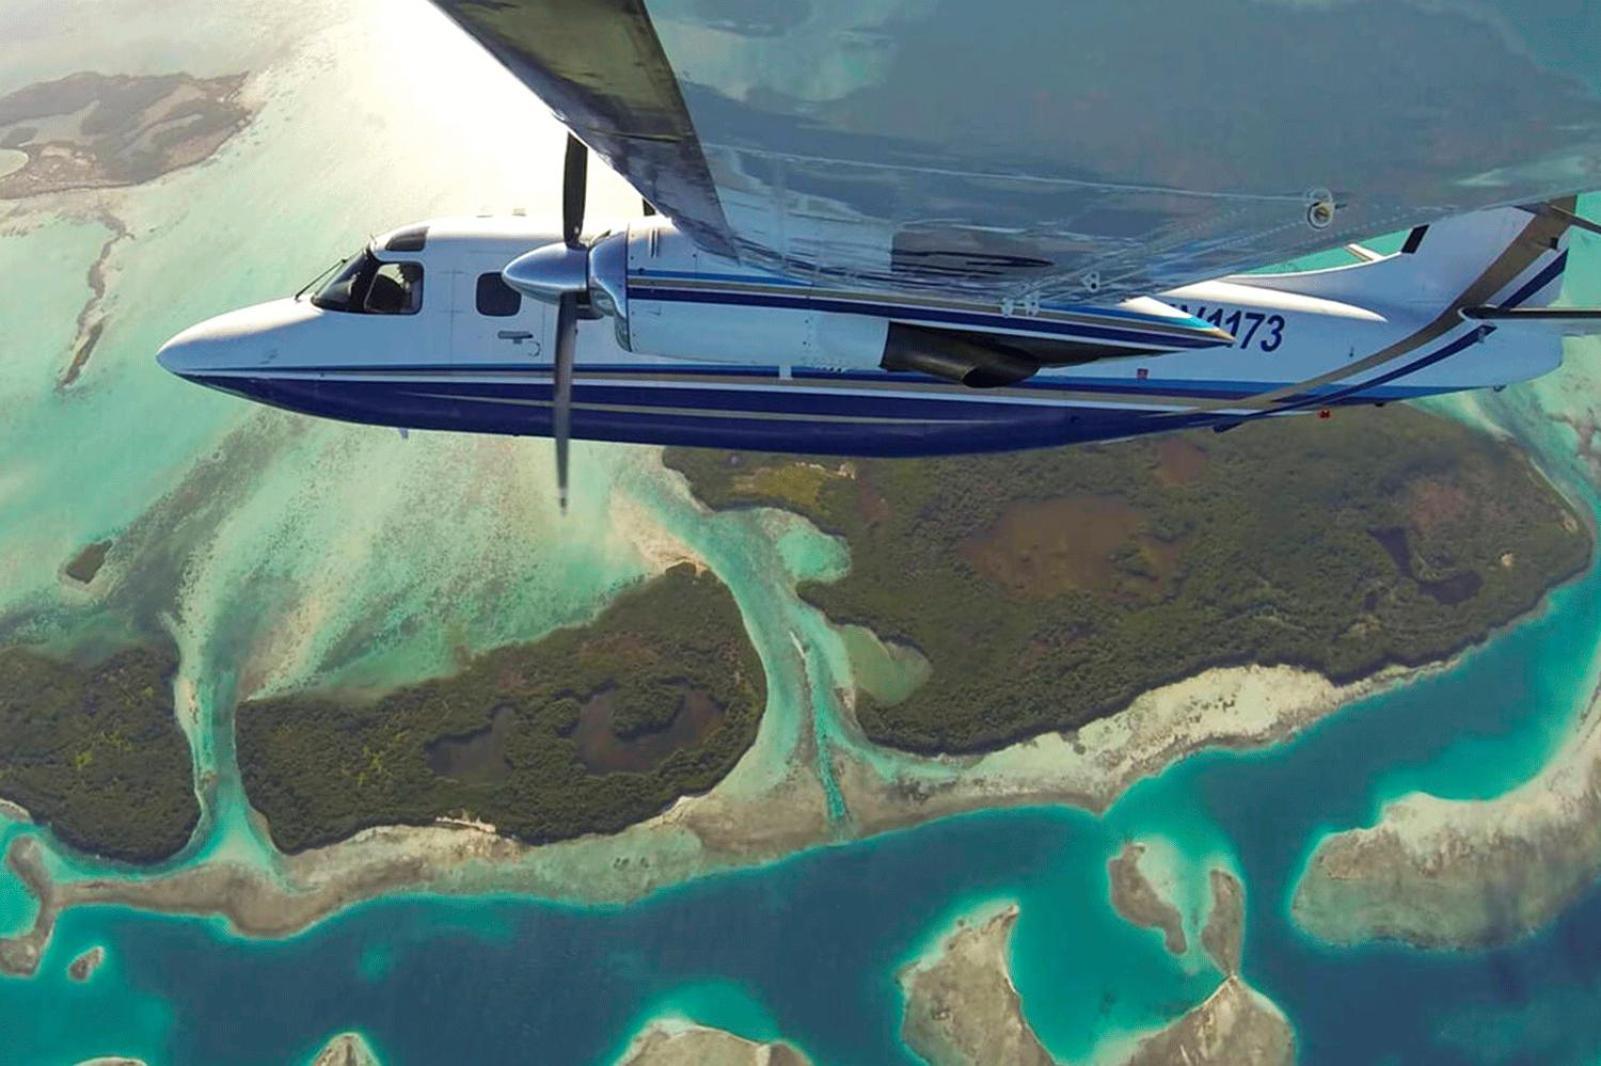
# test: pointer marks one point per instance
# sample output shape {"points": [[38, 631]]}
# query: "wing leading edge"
{"points": [[1034, 149]]}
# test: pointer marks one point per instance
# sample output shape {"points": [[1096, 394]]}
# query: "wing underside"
{"points": [[1042, 149]]}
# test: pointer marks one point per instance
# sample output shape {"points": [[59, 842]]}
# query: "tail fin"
{"points": [[1508, 257], [1529, 307]]}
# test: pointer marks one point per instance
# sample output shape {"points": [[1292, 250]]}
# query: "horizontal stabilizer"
{"points": [[1566, 321]]}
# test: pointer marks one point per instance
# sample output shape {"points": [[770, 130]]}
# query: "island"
{"points": [[963, 1010], [1223, 936], [20, 954], [83, 567], [673, 1042], [1136, 899], [93, 750], [1234, 1026], [346, 1049], [961, 1006], [589, 729], [1049, 589], [1464, 874], [91, 130], [84, 966]]}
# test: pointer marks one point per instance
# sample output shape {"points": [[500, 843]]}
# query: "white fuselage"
{"points": [[701, 350]]}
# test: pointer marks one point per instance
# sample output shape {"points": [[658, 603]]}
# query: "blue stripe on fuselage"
{"points": [[920, 314], [842, 426]]}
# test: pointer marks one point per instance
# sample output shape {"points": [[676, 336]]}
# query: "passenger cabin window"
{"points": [[371, 287], [496, 299]]}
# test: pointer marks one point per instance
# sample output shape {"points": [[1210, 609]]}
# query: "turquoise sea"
{"points": [[806, 948], [321, 556]]}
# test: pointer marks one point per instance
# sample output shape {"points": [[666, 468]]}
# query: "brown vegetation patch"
{"points": [[1040, 549], [1432, 503], [1179, 461], [87, 563], [870, 503]]}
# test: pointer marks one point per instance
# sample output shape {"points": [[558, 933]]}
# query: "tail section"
{"points": [[1562, 321], [1509, 257]]}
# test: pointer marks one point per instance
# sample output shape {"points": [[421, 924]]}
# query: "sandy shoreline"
{"points": [[1232, 708], [677, 1042], [1462, 874]]}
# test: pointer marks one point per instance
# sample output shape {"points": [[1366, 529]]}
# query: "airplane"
{"points": [[875, 258]]}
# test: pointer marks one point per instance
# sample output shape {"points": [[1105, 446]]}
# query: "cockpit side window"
{"points": [[348, 288], [396, 289], [371, 287]]}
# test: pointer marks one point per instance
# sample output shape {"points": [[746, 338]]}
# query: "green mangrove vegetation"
{"points": [[1050, 588], [588, 729], [94, 752]]}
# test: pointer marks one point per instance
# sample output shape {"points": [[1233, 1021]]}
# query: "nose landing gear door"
{"points": [[495, 324]]}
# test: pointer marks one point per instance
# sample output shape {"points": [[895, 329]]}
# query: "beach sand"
{"points": [[1238, 708], [675, 1042]]}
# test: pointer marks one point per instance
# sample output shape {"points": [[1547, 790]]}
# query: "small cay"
{"points": [[671, 1042], [1136, 899]]}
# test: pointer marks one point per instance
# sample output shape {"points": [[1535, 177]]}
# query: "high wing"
{"points": [[1059, 149]]}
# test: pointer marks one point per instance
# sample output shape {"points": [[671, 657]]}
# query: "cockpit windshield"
{"points": [[369, 286]]}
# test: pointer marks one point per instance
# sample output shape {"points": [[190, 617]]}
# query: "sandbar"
{"points": [[84, 966], [1234, 1026], [346, 1049], [1462, 874], [1223, 937], [674, 1042], [1239, 708], [1136, 899]]}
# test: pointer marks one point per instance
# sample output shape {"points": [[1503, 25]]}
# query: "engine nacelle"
{"points": [[682, 303]]}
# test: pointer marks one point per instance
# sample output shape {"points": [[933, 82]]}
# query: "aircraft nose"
{"points": [[249, 337], [187, 353]]}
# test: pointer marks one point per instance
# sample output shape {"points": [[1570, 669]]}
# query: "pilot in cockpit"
{"points": [[370, 286]]}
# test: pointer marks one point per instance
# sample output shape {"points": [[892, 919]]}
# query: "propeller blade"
{"points": [[574, 185], [562, 412]]}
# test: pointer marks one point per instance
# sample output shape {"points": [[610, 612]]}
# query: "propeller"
{"points": [[559, 274], [581, 281], [574, 188]]}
